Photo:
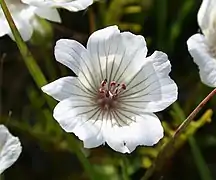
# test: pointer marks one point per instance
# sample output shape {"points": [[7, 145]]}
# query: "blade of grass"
{"points": [[161, 18], [40, 80], [176, 27], [164, 154], [197, 155]]}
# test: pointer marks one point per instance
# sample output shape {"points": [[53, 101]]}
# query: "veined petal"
{"points": [[199, 50], [73, 55], [147, 130], [151, 89], [10, 148], [96, 46], [64, 88], [48, 13], [205, 14], [74, 111], [81, 116], [113, 55]]}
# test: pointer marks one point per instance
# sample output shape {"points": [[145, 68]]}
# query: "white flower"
{"points": [[116, 92], [71, 5], [10, 148], [25, 19], [202, 47]]}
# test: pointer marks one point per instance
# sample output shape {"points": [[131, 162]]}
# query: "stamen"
{"points": [[113, 83], [123, 86], [103, 83], [111, 91]]}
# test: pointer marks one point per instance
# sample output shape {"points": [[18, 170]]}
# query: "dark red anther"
{"points": [[103, 83], [113, 83], [123, 86]]}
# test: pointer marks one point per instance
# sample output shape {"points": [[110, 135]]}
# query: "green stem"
{"points": [[164, 154], [40, 80]]}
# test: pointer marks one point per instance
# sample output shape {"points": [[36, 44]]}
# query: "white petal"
{"points": [[151, 89], [70, 53], [72, 5], [90, 132], [49, 14], [63, 88], [73, 111], [97, 44], [200, 52], [81, 116], [24, 27], [4, 27], [75, 5], [132, 50], [10, 148], [147, 130], [113, 55], [73, 55], [206, 11]]}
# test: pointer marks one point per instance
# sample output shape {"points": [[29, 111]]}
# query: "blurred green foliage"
{"points": [[50, 153]]}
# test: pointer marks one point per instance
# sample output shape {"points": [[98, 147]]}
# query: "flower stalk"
{"points": [[169, 146], [40, 80]]}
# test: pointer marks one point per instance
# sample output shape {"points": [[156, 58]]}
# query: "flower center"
{"points": [[108, 94]]}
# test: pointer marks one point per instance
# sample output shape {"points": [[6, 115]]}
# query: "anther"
{"points": [[113, 83], [123, 86], [111, 91], [103, 83]]}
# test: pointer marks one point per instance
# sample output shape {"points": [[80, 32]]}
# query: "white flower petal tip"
{"points": [[202, 47], [25, 18], [49, 14], [206, 14], [71, 5], [116, 91], [10, 148], [60, 89], [205, 60], [147, 131]]}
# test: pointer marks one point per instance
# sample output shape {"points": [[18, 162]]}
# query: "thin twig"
{"points": [[164, 154]]}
